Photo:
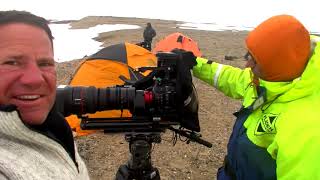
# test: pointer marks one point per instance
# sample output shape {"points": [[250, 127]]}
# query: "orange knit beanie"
{"points": [[280, 46]]}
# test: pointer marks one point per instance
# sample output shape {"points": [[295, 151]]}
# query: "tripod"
{"points": [[139, 166]]}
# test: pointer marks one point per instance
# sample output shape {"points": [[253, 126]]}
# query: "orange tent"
{"points": [[103, 69], [177, 40]]}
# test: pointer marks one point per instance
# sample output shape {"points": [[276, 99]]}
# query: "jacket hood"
{"points": [[307, 84]]}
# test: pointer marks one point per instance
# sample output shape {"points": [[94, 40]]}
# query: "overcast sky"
{"points": [[227, 12], [223, 12]]}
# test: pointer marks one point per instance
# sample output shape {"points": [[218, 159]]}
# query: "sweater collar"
{"points": [[56, 127]]}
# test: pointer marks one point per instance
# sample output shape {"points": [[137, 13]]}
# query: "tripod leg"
{"points": [[123, 173], [139, 166]]}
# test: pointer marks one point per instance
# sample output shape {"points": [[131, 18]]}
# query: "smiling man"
{"points": [[35, 141], [27, 68]]}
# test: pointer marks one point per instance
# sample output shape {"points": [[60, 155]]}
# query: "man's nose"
{"points": [[247, 64], [250, 63], [32, 76]]}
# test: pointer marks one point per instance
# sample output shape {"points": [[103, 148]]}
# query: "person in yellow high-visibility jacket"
{"points": [[276, 134]]}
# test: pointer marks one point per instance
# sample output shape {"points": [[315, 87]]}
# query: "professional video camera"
{"points": [[164, 99]]}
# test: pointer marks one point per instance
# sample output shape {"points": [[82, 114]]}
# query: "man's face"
{"points": [[255, 68], [27, 71]]}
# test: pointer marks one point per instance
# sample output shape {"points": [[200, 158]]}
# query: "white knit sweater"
{"points": [[26, 154]]}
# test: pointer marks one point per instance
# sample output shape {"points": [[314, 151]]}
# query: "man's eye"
{"points": [[10, 62], [45, 63]]}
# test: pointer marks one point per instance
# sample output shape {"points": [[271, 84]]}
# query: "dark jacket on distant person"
{"points": [[149, 33]]}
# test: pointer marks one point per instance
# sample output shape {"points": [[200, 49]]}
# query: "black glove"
{"points": [[187, 57]]}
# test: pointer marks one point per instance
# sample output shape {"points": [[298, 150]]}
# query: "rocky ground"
{"points": [[104, 153]]}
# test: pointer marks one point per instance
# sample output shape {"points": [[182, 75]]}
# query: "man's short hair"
{"points": [[13, 16]]}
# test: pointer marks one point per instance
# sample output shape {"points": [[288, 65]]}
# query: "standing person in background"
{"points": [[35, 140], [276, 133], [148, 34]]}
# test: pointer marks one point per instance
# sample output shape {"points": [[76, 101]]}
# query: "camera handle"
{"points": [[139, 166]]}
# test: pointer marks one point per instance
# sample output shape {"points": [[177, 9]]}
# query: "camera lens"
{"points": [[82, 100]]}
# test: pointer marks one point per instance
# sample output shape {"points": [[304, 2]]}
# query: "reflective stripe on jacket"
{"points": [[278, 137]]}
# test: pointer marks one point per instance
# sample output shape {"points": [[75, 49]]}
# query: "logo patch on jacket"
{"points": [[267, 124]]}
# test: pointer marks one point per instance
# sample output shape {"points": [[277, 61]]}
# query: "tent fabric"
{"points": [[103, 69], [180, 41], [115, 52]]}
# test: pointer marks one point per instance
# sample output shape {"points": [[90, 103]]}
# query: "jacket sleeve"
{"points": [[232, 81], [154, 33]]}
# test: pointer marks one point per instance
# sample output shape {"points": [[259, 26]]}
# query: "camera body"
{"points": [[154, 101]]}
